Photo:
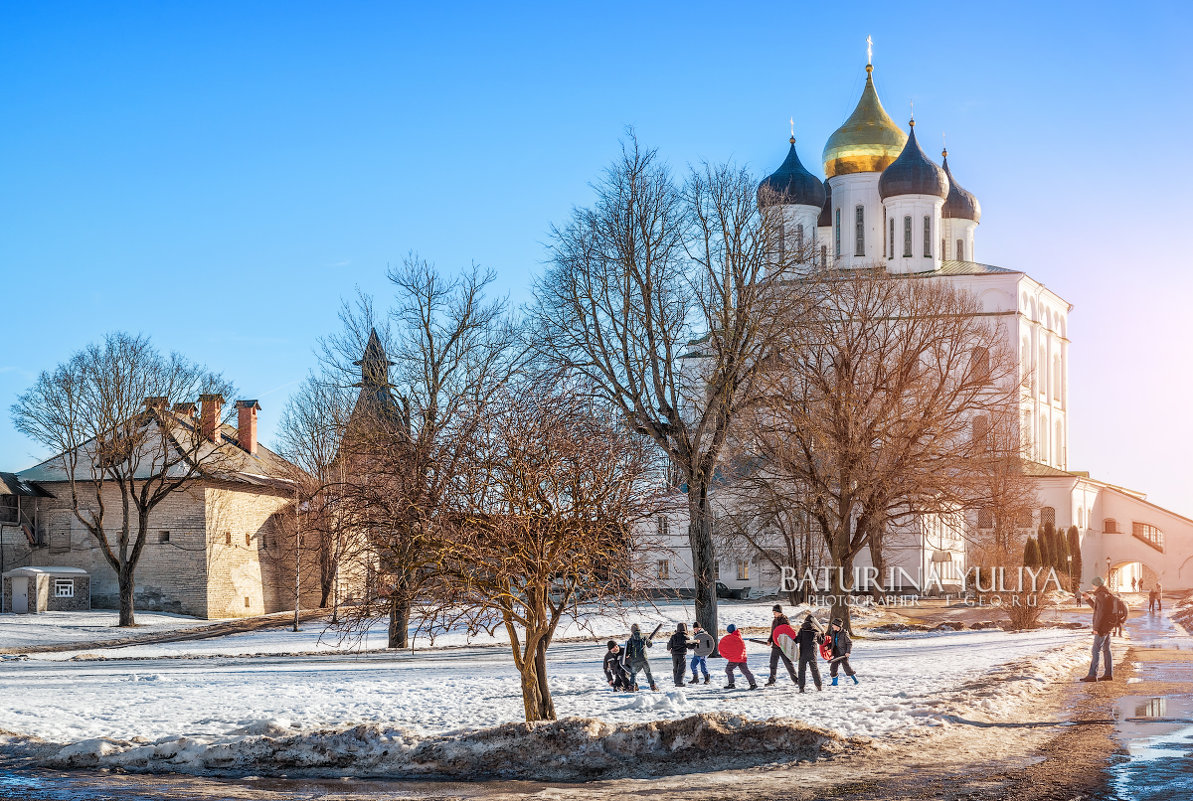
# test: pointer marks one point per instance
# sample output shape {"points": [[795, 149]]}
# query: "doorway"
{"points": [[20, 594]]}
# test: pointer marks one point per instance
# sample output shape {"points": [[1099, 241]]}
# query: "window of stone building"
{"points": [[1047, 515], [246, 602], [824, 255], [960, 250], [891, 252], [743, 571], [248, 540], [906, 237], [664, 568], [859, 231], [64, 588], [799, 241], [664, 526], [1023, 518], [837, 232], [163, 536], [980, 364], [927, 237], [227, 538], [1110, 526], [985, 518]]}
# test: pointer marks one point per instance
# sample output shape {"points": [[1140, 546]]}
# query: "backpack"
{"points": [[1120, 611], [635, 649]]}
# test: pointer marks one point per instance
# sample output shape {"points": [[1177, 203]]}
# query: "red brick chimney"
{"points": [[209, 415], [246, 425], [186, 410]]}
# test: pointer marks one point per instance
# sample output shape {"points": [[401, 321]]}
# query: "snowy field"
{"points": [[204, 714], [51, 628]]}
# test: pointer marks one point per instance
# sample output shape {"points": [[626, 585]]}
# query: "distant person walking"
{"points": [[635, 657], [809, 637], [1153, 599], [1103, 603], [842, 647], [733, 648], [1159, 597], [704, 645]]}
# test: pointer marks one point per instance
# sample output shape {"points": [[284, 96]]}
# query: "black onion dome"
{"points": [[791, 185], [960, 204], [913, 173], [826, 213]]}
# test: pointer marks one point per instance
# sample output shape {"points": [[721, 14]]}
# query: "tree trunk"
{"points": [[704, 568], [127, 586], [536, 696], [842, 584], [879, 563], [399, 620]]}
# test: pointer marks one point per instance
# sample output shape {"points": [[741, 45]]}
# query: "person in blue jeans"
{"points": [[1104, 612], [702, 648]]}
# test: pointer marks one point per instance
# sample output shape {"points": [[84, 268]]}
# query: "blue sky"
{"points": [[219, 175]]}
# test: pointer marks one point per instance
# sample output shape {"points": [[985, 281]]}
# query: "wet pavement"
{"points": [[1155, 729]]}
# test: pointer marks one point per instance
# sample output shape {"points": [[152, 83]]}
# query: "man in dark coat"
{"points": [[614, 671], [776, 653], [808, 638], [1103, 602], [842, 647], [678, 646]]}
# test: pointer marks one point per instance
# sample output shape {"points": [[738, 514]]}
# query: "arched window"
{"points": [[1042, 371], [1110, 526], [799, 241], [979, 365], [782, 241], [859, 230], [837, 231], [892, 250], [1025, 358], [1059, 445], [884, 252], [927, 237], [1048, 515], [1043, 438], [824, 255], [1080, 517], [985, 518], [981, 433], [907, 237], [1056, 382], [960, 250], [944, 254]]}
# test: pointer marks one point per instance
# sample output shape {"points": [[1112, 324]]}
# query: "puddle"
{"points": [[1155, 731]]}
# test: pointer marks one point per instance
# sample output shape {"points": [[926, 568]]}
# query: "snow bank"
{"points": [[568, 750]]}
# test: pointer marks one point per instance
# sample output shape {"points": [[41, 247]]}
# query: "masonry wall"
{"points": [[244, 539]]}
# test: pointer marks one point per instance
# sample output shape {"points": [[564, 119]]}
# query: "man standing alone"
{"points": [[1104, 619]]}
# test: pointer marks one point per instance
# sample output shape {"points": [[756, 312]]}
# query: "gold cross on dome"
{"points": [[793, 126], [869, 50]]}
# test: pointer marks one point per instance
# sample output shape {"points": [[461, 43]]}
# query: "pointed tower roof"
{"points": [[868, 141], [791, 184], [373, 363], [960, 204], [913, 173]]}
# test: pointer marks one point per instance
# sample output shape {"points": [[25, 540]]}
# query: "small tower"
{"points": [[793, 199], [959, 219], [913, 191]]}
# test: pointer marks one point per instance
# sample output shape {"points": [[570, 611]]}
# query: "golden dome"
{"points": [[868, 141]]}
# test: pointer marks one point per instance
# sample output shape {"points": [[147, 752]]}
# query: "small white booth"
{"points": [[29, 590]]}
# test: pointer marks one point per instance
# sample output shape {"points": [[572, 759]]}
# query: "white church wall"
{"points": [[849, 192]]}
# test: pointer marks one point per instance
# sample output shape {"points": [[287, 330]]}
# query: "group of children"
{"points": [[623, 664]]}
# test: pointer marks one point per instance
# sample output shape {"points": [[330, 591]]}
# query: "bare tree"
{"points": [[121, 449], [451, 347], [1003, 493], [556, 484], [659, 295], [311, 438], [871, 410]]}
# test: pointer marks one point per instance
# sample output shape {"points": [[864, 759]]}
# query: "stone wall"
{"points": [[243, 536]]}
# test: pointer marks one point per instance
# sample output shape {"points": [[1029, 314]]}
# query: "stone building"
{"points": [[221, 546]]}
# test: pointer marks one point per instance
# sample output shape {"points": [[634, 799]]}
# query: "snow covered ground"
{"points": [[204, 715], [51, 628]]}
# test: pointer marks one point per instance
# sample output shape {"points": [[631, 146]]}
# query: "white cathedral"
{"points": [[885, 202]]}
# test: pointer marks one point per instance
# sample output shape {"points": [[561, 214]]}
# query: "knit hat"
{"points": [[696, 625], [635, 630], [611, 644], [730, 628], [838, 621], [1097, 582], [680, 628], [776, 608]]}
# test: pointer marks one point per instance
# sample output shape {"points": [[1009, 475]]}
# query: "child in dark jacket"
{"points": [[808, 638], [842, 647], [678, 647], [614, 671]]}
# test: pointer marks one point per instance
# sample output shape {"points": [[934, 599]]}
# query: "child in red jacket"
{"points": [[733, 648]]}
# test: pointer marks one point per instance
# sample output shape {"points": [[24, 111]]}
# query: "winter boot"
{"points": [[694, 679], [753, 686], [706, 679], [1088, 678], [654, 688], [730, 687], [855, 679], [1106, 677], [770, 681], [834, 684]]}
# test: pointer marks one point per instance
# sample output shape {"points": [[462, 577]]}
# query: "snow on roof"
{"points": [[48, 570]]}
